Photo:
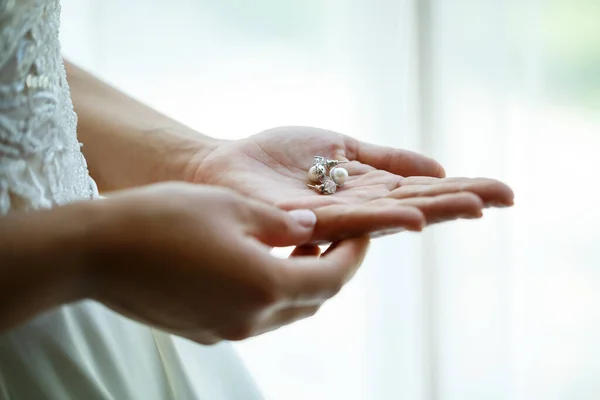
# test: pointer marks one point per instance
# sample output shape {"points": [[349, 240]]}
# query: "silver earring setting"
{"points": [[327, 187], [329, 181]]}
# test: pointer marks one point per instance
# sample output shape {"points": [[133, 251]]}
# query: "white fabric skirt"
{"points": [[86, 351]]}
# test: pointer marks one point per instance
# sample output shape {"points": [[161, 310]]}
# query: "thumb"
{"points": [[277, 228]]}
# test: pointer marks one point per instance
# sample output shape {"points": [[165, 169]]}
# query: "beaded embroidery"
{"points": [[41, 163]]}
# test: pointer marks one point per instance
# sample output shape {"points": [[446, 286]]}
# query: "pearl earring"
{"points": [[317, 173], [339, 175], [329, 181]]}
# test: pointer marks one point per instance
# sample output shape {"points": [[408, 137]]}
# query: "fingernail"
{"points": [[306, 218], [471, 216]]}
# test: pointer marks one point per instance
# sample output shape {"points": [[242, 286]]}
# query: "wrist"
{"points": [[74, 244], [190, 164], [45, 261], [189, 150]]}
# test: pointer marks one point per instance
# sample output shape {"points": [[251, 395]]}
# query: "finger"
{"points": [[278, 228], [200, 338], [285, 317], [340, 221], [396, 161], [492, 192], [306, 251], [447, 207], [310, 280]]}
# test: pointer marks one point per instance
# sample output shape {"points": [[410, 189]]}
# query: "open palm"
{"points": [[272, 166]]}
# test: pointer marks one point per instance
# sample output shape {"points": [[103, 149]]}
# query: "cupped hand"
{"points": [[272, 166], [194, 260]]}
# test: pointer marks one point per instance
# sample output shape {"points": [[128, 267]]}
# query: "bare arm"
{"points": [[190, 259], [43, 260], [127, 143]]}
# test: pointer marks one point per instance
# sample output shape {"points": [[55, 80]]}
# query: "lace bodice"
{"points": [[41, 163]]}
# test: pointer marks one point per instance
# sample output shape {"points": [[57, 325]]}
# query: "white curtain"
{"points": [[503, 308]]}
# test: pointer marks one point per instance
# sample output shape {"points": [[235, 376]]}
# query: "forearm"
{"points": [[127, 143], [44, 258]]}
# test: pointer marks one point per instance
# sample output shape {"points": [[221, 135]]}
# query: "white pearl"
{"points": [[339, 175], [317, 173], [312, 174]]}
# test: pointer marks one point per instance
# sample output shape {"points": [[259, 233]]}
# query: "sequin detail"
{"points": [[41, 164]]}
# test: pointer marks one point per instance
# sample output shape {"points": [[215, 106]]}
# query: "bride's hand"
{"points": [[194, 260], [272, 166], [190, 259]]}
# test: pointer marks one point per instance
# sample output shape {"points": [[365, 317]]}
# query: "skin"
{"points": [[192, 260], [271, 166], [192, 257]]}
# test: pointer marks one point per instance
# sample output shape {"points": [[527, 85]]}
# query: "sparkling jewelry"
{"points": [[317, 173], [338, 175], [327, 173], [327, 187], [318, 160], [332, 163]]}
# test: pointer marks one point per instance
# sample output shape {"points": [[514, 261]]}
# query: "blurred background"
{"points": [[507, 307]]}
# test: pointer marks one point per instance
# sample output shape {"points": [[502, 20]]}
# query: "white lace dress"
{"points": [[84, 350]]}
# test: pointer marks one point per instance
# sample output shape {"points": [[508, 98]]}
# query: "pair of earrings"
{"points": [[328, 174]]}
